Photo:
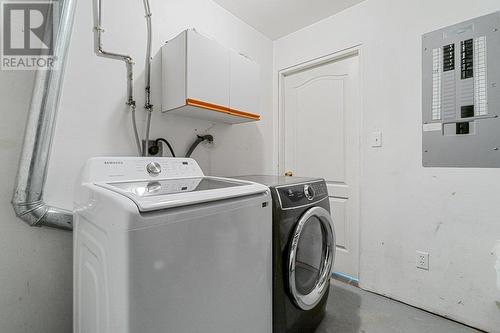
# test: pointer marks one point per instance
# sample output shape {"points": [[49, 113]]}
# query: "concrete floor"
{"points": [[352, 310]]}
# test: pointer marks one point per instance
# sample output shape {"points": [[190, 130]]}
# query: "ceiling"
{"points": [[278, 18]]}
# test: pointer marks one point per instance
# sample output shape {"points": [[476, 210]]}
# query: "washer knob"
{"points": [[153, 168], [309, 192]]}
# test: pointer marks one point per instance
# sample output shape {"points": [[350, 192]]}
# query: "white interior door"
{"points": [[320, 123]]}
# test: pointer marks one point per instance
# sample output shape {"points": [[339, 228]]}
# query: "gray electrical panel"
{"points": [[461, 95]]}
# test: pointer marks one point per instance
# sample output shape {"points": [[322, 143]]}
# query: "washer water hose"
{"points": [[147, 76], [199, 139], [148, 127], [136, 133]]}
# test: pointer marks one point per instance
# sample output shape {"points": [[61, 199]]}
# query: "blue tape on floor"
{"points": [[345, 278]]}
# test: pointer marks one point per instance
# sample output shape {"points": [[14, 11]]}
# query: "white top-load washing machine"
{"points": [[160, 248]]}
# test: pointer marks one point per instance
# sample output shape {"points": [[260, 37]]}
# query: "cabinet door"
{"points": [[244, 89], [207, 70]]}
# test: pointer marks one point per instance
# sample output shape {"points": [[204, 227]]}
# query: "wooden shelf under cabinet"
{"points": [[214, 112]]}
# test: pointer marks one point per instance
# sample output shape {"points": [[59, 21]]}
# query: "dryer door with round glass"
{"points": [[312, 252]]}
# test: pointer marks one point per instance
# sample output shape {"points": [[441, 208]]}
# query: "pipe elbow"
{"points": [[98, 51], [30, 212], [38, 213]]}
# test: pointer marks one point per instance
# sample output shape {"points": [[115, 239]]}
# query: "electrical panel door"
{"points": [[461, 95]]}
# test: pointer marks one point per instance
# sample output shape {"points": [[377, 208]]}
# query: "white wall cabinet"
{"points": [[207, 70], [203, 79], [244, 83]]}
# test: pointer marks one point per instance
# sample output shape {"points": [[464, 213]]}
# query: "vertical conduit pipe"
{"points": [[28, 200]]}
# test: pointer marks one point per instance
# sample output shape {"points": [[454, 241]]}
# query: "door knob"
{"points": [[288, 174]]}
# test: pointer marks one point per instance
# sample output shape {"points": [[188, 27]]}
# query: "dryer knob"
{"points": [[309, 192], [153, 168]]}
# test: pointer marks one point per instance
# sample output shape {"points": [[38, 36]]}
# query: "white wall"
{"points": [[36, 263], [451, 213]]}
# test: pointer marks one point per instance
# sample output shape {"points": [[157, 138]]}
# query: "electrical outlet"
{"points": [[422, 260], [153, 143]]}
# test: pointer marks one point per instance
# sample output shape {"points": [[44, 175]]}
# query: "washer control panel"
{"points": [[140, 168], [302, 194]]}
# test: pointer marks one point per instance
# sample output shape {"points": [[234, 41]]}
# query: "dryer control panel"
{"points": [[293, 196]]}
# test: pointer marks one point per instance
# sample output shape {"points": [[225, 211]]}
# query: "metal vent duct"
{"points": [[28, 195]]}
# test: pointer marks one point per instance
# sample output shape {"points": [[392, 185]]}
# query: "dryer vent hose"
{"points": [[199, 139]]}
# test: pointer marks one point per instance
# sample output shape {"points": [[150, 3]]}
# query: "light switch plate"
{"points": [[376, 139]]}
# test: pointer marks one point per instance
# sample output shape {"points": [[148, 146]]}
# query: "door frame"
{"points": [[356, 50]]}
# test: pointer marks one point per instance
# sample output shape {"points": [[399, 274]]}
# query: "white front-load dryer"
{"points": [[161, 248]]}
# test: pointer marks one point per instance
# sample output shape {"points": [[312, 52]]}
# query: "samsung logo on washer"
{"points": [[113, 162]]}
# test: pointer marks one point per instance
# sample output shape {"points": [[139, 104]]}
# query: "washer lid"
{"points": [[151, 195]]}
